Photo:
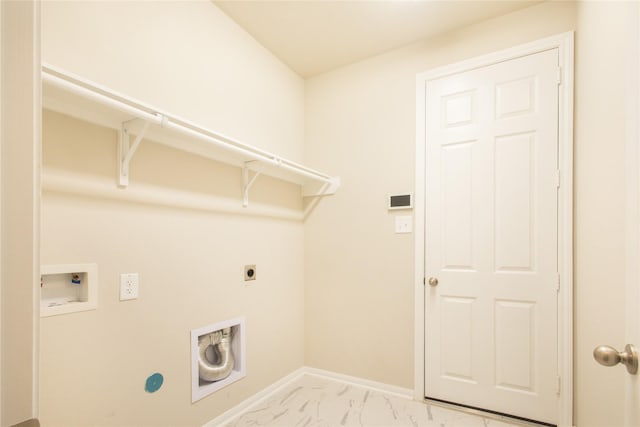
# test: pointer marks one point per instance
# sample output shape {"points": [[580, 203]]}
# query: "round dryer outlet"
{"points": [[250, 272]]}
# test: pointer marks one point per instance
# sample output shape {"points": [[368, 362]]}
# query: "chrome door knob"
{"points": [[609, 356], [433, 281]]}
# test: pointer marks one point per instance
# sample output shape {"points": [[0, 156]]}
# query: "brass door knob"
{"points": [[609, 356]]}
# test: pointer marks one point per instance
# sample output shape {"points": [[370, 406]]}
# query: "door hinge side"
{"points": [[557, 178], [558, 384], [558, 283], [559, 76]]}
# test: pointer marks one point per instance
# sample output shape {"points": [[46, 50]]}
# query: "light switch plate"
{"points": [[404, 224]]}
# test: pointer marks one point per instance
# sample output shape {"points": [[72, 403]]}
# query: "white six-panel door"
{"points": [[491, 230]]}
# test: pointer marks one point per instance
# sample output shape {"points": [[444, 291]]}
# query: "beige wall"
{"points": [[1, 269], [188, 59], [184, 57], [600, 114], [355, 313], [632, 297], [190, 264], [20, 156], [360, 123]]}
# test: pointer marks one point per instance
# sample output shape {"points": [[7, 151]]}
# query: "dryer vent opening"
{"points": [[218, 357], [215, 358]]}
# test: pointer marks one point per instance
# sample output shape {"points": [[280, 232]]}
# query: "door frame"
{"points": [[564, 43], [632, 201], [20, 89]]}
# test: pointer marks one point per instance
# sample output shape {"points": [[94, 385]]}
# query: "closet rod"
{"points": [[105, 97]]}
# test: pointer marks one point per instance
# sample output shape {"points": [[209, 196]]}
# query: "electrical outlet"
{"points": [[128, 286], [250, 272]]}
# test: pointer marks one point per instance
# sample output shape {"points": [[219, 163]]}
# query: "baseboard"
{"points": [[272, 389], [255, 400], [406, 393]]}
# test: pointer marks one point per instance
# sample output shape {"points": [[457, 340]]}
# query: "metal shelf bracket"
{"points": [[247, 182], [126, 150], [325, 188]]}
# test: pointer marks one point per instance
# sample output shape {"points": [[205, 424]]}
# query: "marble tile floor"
{"points": [[312, 401]]}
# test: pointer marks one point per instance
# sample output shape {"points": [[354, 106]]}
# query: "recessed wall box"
{"points": [[201, 388], [401, 201], [68, 288]]}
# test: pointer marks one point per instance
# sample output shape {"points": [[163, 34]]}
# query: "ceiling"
{"points": [[314, 36]]}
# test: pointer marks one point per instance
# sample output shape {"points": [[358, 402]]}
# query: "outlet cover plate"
{"points": [[129, 286]]}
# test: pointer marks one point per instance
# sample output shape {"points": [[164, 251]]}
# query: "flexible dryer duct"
{"points": [[220, 341]]}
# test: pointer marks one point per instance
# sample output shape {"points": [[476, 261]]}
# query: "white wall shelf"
{"points": [[66, 93], [68, 288]]}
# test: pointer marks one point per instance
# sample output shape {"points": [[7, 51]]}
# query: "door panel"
{"points": [[457, 179], [514, 226], [515, 345], [457, 351], [491, 237]]}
